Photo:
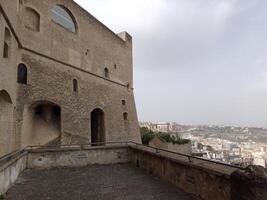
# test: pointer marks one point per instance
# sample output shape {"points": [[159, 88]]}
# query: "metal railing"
{"points": [[11, 155], [86, 146]]}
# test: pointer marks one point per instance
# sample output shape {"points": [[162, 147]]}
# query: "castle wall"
{"points": [[52, 82], [8, 65], [8, 90], [54, 57], [92, 48]]}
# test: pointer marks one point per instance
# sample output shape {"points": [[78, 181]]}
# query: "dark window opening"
{"points": [[115, 66], [106, 73], [6, 50], [22, 74], [125, 116], [137, 163], [123, 102], [75, 85], [97, 127]]}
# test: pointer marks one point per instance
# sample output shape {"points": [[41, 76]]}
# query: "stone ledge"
{"points": [[212, 168], [75, 148], [6, 164]]}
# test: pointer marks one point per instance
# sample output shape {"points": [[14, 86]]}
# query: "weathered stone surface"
{"points": [[77, 158], [194, 178], [120, 182], [10, 170], [204, 179], [249, 184]]}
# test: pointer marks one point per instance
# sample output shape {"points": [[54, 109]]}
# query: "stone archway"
{"points": [[97, 127], [6, 123], [41, 124]]}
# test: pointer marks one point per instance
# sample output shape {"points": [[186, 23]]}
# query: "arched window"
{"points": [[22, 74], [7, 43], [123, 102], [63, 17], [32, 19], [106, 73], [75, 85], [125, 116]]}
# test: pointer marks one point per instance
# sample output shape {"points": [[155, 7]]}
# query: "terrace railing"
{"points": [[134, 145]]}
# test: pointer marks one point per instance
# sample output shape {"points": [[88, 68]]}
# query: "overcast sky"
{"points": [[195, 61]]}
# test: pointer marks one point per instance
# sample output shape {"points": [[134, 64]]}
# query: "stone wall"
{"points": [[204, 183], [54, 57], [206, 180], [249, 184], [8, 89], [10, 170], [71, 157]]}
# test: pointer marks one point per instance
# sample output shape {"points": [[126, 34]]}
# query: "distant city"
{"points": [[240, 146]]}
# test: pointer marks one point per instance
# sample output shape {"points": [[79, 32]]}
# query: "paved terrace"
{"points": [[97, 182], [123, 171]]}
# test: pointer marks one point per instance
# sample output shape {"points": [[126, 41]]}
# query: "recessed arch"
{"points": [[7, 43], [41, 124], [7, 35], [125, 116], [98, 127], [6, 123], [32, 19], [62, 16], [22, 74], [5, 95]]}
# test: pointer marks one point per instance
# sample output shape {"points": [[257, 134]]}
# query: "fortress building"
{"points": [[64, 76]]}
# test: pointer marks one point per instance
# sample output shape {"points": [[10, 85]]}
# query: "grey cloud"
{"points": [[197, 61]]}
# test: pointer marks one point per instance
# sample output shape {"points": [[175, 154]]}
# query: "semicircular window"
{"points": [[62, 16]]}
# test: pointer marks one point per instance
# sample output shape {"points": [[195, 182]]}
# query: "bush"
{"points": [[2, 197], [172, 139], [148, 135]]}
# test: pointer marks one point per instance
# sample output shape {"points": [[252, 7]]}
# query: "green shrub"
{"points": [[148, 135], [2, 197]]}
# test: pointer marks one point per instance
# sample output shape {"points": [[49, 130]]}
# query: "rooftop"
{"points": [[98, 182]]}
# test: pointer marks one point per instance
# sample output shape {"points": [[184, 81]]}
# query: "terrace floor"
{"points": [[114, 182]]}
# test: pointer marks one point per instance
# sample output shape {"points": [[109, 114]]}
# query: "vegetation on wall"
{"points": [[148, 135]]}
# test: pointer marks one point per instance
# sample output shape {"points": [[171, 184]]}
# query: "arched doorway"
{"points": [[42, 124], [6, 123], [97, 127]]}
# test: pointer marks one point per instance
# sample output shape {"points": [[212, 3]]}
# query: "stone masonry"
{"points": [[75, 86]]}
